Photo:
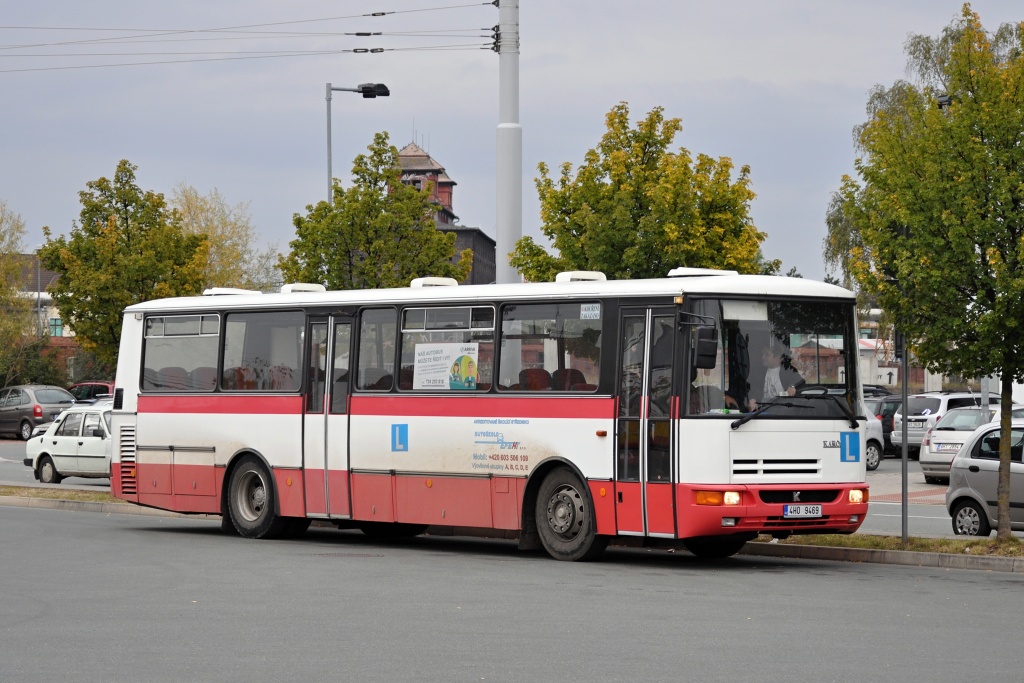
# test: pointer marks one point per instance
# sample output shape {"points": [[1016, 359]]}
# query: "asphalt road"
{"points": [[93, 597]]}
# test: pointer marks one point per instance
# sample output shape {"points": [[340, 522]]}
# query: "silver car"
{"points": [[973, 478], [941, 442], [923, 412]]}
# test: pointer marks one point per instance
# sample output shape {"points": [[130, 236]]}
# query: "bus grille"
{"points": [[129, 478], [776, 466]]}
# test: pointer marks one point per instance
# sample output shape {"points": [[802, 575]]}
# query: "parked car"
{"points": [[974, 476], [873, 448], [91, 390], [875, 390], [884, 407], [77, 444], [26, 405], [951, 431], [924, 410]]}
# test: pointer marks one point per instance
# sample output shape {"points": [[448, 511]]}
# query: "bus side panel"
{"points": [[602, 492], [660, 510], [192, 477], [506, 499], [338, 491], [628, 508], [290, 501], [373, 497], [316, 501], [452, 501]]}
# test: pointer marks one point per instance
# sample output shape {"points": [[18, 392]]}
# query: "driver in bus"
{"points": [[780, 379]]}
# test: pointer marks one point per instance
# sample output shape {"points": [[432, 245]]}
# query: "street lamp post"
{"points": [[368, 91]]}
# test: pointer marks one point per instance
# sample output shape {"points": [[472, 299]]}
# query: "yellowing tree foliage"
{"points": [[637, 209], [127, 247], [935, 226], [235, 259], [379, 232]]}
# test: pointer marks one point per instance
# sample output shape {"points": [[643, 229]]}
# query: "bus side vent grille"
{"points": [[129, 475]]}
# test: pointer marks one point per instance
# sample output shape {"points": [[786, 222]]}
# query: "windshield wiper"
{"points": [[842, 406], [760, 409]]}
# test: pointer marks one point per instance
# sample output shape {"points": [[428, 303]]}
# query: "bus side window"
{"points": [[377, 344]]}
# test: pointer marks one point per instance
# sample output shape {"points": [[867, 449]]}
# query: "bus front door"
{"points": [[325, 424], [648, 405]]}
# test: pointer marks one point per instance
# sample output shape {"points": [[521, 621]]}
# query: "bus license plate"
{"points": [[801, 511]]}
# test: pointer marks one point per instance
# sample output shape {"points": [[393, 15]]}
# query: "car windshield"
{"points": [[963, 419], [923, 405], [50, 396]]}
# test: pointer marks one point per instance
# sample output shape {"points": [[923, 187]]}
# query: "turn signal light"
{"points": [[717, 497]]}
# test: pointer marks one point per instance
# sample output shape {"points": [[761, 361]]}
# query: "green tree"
{"points": [[637, 209], [235, 259], [127, 247], [379, 233], [936, 221], [17, 326]]}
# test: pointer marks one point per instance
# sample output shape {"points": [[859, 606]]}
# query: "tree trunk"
{"points": [[1003, 532]]}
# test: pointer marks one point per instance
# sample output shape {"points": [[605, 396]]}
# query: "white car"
{"points": [[76, 444], [873, 452]]}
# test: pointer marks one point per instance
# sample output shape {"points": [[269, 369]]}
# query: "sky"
{"points": [[230, 95]]}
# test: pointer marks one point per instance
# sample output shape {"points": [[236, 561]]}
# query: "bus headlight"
{"points": [[717, 497], [858, 496]]}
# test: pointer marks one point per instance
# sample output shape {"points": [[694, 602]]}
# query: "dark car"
{"points": [[24, 406], [89, 391], [885, 407]]}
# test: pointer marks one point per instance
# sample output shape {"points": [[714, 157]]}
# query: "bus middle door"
{"points": [[325, 422], [648, 407]]}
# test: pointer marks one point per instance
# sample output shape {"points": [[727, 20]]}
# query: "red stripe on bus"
{"points": [[222, 404], [485, 406]]}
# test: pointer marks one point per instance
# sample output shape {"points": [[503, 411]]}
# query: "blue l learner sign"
{"points": [[849, 447]]}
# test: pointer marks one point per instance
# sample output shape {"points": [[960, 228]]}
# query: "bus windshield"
{"points": [[799, 355]]}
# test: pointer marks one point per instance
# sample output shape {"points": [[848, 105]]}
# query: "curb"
{"points": [[1013, 565]]}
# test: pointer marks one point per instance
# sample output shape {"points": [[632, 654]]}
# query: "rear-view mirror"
{"points": [[705, 347]]}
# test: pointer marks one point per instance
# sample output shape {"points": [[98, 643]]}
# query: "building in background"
{"points": [[421, 171]]}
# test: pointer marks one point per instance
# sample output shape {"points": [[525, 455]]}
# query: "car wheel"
{"points": [[872, 455], [25, 431], [48, 473], [970, 520], [565, 518]]}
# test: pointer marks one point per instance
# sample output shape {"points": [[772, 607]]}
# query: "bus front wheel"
{"points": [[565, 518], [715, 548], [251, 501]]}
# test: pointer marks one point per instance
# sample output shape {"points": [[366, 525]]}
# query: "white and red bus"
{"points": [[571, 412]]}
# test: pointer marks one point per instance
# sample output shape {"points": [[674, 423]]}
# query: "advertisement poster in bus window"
{"points": [[446, 367]]}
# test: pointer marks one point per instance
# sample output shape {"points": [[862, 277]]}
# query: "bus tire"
{"points": [[387, 531], [565, 518], [251, 501], [715, 547]]}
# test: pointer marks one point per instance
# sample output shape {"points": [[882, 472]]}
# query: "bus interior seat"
{"points": [[174, 378], [583, 387], [282, 378], [564, 378], [534, 379], [204, 378]]}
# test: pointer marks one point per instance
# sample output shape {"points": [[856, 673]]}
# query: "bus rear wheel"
{"points": [[565, 518], [251, 501]]}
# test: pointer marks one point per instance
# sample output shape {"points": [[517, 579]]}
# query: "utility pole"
{"points": [[509, 198]]}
